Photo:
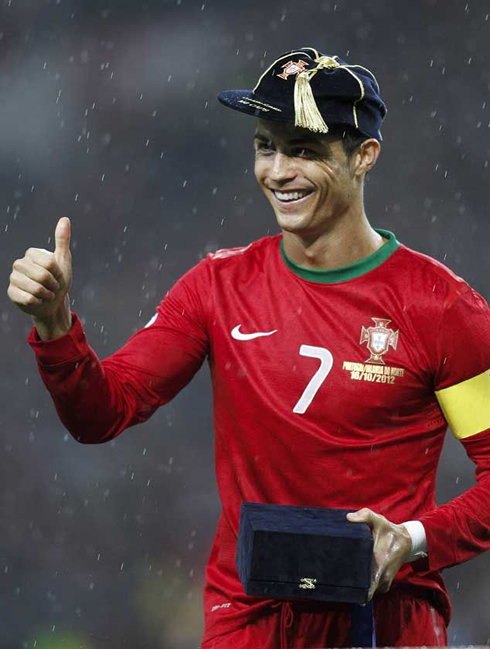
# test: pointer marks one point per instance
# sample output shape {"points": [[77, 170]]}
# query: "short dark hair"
{"points": [[351, 138]]}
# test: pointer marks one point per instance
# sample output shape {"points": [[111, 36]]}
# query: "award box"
{"points": [[291, 552]]}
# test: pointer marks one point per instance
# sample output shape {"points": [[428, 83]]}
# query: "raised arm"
{"points": [[97, 399]]}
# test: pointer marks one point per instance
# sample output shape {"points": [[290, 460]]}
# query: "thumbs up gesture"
{"points": [[40, 281]]}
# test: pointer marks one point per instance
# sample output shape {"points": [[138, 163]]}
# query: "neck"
{"points": [[345, 243]]}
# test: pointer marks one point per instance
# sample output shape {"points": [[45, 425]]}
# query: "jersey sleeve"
{"points": [[97, 399], [460, 529]]}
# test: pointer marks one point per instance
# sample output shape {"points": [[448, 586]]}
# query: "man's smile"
{"points": [[291, 196]]}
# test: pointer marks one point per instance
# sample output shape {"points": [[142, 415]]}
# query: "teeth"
{"points": [[290, 196]]}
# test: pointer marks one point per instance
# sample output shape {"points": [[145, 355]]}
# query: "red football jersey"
{"points": [[330, 389]]}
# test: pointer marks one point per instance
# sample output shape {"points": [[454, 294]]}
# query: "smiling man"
{"points": [[314, 184], [338, 358]]}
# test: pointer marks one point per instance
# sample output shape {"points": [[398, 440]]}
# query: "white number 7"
{"points": [[320, 375]]}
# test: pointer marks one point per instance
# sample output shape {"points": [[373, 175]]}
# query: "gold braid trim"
{"points": [[306, 111]]}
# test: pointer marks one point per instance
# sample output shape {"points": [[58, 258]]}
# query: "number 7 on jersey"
{"points": [[326, 362]]}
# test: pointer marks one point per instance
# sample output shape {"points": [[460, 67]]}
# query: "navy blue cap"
{"points": [[314, 91]]}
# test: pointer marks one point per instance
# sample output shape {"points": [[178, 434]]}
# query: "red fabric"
{"points": [[460, 529], [400, 621], [373, 443]]}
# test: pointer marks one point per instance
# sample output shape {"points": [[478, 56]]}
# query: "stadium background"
{"points": [[108, 114]]}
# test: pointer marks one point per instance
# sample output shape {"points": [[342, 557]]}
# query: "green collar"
{"points": [[346, 272]]}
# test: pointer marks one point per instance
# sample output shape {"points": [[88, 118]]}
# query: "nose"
{"points": [[282, 168]]}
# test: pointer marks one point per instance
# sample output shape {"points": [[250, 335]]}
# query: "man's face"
{"points": [[307, 177]]}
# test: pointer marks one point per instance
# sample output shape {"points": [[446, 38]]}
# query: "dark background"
{"points": [[108, 114]]}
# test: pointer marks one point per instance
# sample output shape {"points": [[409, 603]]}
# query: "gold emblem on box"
{"points": [[307, 582]]}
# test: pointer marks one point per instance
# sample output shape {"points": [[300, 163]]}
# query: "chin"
{"points": [[293, 223]]}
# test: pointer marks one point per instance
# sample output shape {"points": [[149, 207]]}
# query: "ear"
{"points": [[365, 157]]}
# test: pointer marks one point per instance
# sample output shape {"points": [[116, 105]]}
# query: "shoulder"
{"points": [[226, 264], [243, 256], [229, 265], [427, 277]]}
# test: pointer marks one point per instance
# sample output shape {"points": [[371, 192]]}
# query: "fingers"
{"points": [[22, 298], [36, 273], [43, 258], [391, 546], [32, 287], [385, 559], [385, 585], [381, 578]]}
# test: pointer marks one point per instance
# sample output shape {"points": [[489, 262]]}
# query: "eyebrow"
{"points": [[299, 140], [262, 138]]}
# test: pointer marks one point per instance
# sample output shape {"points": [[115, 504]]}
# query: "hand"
{"points": [[392, 545], [40, 281]]}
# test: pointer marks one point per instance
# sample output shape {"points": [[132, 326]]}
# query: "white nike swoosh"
{"points": [[238, 335]]}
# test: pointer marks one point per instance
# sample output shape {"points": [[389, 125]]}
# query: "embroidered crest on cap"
{"points": [[291, 68], [378, 339]]}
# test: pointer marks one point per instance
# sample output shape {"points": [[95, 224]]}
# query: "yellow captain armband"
{"points": [[466, 406]]}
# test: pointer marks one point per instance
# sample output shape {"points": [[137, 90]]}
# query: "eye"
{"points": [[303, 152], [264, 146]]}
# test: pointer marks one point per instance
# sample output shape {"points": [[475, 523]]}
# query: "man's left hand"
{"points": [[392, 545]]}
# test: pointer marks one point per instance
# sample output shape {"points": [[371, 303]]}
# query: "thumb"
{"points": [[62, 237], [363, 515]]}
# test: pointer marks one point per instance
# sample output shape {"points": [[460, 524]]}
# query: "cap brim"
{"points": [[245, 101]]}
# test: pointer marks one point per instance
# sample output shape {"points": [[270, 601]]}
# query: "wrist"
{"points": [[418, 540], [57, 326], [406, 542]]}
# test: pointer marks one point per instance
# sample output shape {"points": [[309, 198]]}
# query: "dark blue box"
{"points": [[290, 552]]}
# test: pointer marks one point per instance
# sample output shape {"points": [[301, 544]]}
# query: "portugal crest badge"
{"points": [[292, 67], [378, 339]]}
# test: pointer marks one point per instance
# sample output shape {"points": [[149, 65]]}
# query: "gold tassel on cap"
{"points": [[306, 111]]}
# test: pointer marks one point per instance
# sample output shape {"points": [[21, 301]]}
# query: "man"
{"points": [[338, 357]]}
